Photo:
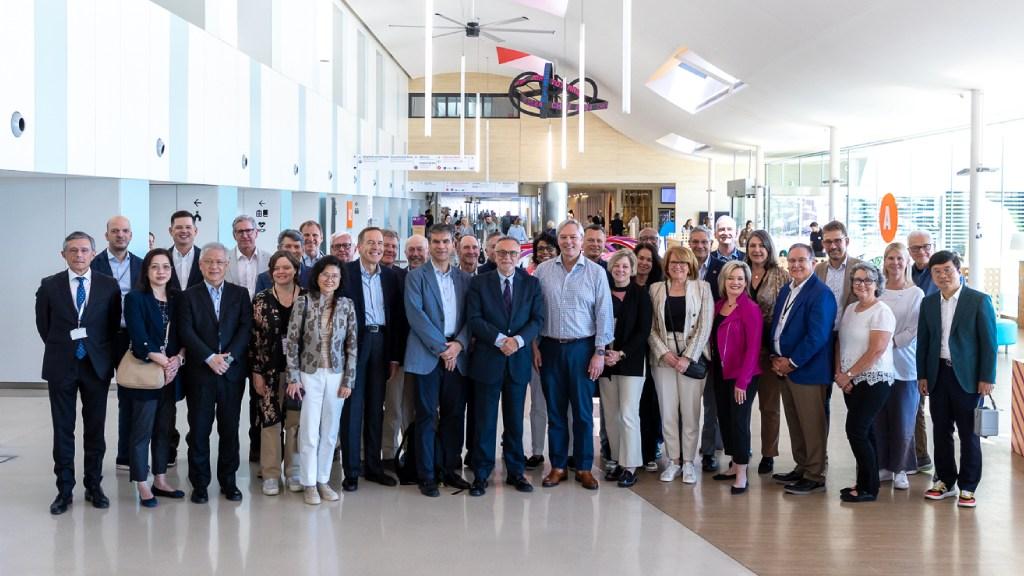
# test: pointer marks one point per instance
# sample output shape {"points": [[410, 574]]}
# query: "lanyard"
{"points": [[81, 309]]}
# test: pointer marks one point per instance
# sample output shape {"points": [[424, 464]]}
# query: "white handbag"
{"points": [[986, 420]]}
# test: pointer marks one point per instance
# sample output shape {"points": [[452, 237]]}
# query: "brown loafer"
{"points": [[555, 477], [587, 480]]}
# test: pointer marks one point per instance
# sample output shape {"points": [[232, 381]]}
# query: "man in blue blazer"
{"points": [[435, 353], [291, 242], [78, 312], [802, 353], [505, 311], [116, 261], [956, 366]]}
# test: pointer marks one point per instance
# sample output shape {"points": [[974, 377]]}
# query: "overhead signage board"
{"points": [[466, 188], [416, 162]]}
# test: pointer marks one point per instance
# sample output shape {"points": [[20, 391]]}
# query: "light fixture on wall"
{"points": [[160, 147], [627, 48], [17, 124], [428, 66], [295, 169], [245, 161], [581, 85]]}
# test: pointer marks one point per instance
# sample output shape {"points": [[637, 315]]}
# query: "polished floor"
{"points": [[655, 528]]}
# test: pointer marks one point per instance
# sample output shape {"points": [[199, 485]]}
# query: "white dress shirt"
{"points": [[248, 269], [183, 264], [448, 303], [73, 282], [947, 308], [787, 306], [500, 340], [834, 280]]}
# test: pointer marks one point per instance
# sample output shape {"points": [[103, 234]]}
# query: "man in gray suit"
{"points": [[436, 354]]}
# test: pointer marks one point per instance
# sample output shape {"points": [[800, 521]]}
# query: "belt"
{"points": [[567, 340], [375, 328], [946, 362], [450, 338]]}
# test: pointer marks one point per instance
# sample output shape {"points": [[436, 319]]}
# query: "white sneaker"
{"points": [[670, 473], [326, 492], [271, 487], [294, 485], [900, 482], [651, 466], [311, 496], [689, 473], [884, 475], [610, 465]]}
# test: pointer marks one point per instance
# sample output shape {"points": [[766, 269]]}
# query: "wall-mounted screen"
{"points": [[668, 195]]}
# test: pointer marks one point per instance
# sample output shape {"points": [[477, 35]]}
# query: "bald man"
{"points": [[648, 236], [125, 267], [469, 254]]}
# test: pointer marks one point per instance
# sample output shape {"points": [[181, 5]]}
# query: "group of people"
{"points": [[349, 350]]}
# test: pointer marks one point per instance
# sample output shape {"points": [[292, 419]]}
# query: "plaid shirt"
{"points": [[578, 303]]}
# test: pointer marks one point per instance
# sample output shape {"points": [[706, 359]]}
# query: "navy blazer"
{"points": [[145, 325], [195, 276], [972, 339], [57, 316], [485, 312], [715, 265], [264, 281], [201, 333], [394, 309], [425, 314], [101, 264], [807, 337]]}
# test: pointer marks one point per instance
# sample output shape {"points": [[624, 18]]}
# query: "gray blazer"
{"points": [[262, 264], [344, 339], [425, 315]]}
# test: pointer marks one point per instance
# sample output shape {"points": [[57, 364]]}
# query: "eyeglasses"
{"points": [[245, 231], [834, 242], [648, 239], [330, 277], [345, 246], [943, 271], [921, 248], [678, 263], [862, 281], [506, 253], [545, 248], [215, 262]]}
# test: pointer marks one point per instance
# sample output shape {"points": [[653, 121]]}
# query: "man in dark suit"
{"points": [[435, 353], [185, 274], [802, 352], [116, 261], [214, 326], [380, 318], [505, 311], [489, 244], [956, 368], [78, 314]]}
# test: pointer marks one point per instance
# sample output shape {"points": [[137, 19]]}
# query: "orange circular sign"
{"points": [[888, 217]]}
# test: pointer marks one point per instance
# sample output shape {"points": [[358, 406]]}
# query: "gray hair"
{"points": [[289, 233], [725, 218], [78, 235], [243, 218], [873, 273], [214, 246], [568, 222], [702, 229]]}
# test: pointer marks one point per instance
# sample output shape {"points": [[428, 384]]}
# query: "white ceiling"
{"points": [[875, 69]]}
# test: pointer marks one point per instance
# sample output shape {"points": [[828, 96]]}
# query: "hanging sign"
{"points": [[465, 188], [416, 162], [888, 218]]}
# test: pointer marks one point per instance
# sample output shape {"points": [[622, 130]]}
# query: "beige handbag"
{"points": [[139, 374]]}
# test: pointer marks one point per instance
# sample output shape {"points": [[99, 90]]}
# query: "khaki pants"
{"points": [[679, 399], [808, 427], [769, 393], [270, 444], [399, 405]]}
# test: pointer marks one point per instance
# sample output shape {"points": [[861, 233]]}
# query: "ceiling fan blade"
{"points": [[492, 37], [525, 31], [422, 26], [509, 21], [449, 34], [443, 17]]}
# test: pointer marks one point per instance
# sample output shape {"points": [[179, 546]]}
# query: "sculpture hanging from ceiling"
{"points": [[540, 95]]}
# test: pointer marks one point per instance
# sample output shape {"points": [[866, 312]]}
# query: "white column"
{"points": [[759, 178], [976, 272], [833, 171], [710, 191]]}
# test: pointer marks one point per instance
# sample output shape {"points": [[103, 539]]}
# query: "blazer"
{"points": [[632, 329], [304, 329], [739, 341], [972, 339], [264, 281], [715, 265], [195, 276], [806, 338], [425, 315], [203, 334], [821, 271], [262, 263], [489, 266], [145, 325], [57, 316], [486, 316], [694, 335], [394, 309], [101, 264]]}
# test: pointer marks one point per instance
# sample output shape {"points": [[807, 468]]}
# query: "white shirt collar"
{"points": [[955, 297], [240, 256], [841, 266], [87, 275]]}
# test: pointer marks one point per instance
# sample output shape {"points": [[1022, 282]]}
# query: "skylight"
{"points": [[691, 82], [681, 144]]}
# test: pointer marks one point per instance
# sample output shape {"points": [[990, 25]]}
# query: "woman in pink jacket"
{"points": [[735, 348]]}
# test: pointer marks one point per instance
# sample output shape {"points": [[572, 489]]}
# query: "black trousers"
{"points": [[121, 342], [222, 400], [863, 403], [362, 416], [486, 396], [148, 432], [440, 412], [950, 406], [81, 378], [650, 420], [733, 418]]}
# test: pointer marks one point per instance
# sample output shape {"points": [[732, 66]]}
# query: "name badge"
{"points": [[78, 334]]}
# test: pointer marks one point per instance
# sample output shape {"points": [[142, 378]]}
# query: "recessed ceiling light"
{"points": [[691, 82], [680, 144]]}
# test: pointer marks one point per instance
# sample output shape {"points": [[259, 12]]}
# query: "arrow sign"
{"points": [[262, 203], [196, 202]]}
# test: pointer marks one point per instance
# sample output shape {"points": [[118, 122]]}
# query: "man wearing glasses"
{"points": [[920, 245], [505, 312], [835, 272], [341, 246]]}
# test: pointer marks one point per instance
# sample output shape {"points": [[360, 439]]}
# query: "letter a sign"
{"points": [[888, 217]]}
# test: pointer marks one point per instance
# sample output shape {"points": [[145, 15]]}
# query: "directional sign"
{"points": [[416, 162], [466, 188]]}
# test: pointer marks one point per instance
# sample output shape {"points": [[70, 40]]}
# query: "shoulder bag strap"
{"points": [[671, 321]]}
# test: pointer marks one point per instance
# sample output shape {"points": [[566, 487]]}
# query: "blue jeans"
{"points": [[563, 375]]}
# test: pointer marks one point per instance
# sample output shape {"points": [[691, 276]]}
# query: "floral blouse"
{"points": [[266, 350]]}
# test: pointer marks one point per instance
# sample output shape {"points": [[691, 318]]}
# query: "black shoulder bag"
{"points": [[698, 368]]}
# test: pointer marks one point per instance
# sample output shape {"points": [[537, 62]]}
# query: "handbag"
{"points": [[698, 368], [140, 374], [986, 420], [295, 404]]}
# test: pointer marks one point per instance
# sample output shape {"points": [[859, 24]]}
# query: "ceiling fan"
{"points": [[474, 29]]}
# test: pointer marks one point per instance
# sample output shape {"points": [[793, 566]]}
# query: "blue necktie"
{"points": [[79, 302], [507, 296]]}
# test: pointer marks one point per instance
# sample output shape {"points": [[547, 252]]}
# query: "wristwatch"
{"points": [[599, 351]]}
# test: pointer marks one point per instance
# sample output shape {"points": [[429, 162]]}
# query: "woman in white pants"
{"points": [[683, 314], [623, 380], [322, 370]]}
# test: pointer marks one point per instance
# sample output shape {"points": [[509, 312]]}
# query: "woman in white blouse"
{"points": [[865, 373], [894, 427]]}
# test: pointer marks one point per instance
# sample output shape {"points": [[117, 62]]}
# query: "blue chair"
{"points": [[1006, 333]]}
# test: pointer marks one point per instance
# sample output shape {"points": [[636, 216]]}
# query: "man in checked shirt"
{"points": [[577, 328]]}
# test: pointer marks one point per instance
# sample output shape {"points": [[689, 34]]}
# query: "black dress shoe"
{"points": [[534, 462], [709, 463], [381, 478], [614, 474], [175, 494], [627, 479], [429, 489], [735, 490], [858, 497], [350, 484], [788, 477], [479, 488], [231, 492], [847, 490], [520, 482], [148, 502], [97, 497], [805, 487], [199, 496], [456, 481], [723, 477], [60, 504], [766, 466]]}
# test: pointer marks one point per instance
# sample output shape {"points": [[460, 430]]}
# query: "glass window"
{"points": [[416, 105]]}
